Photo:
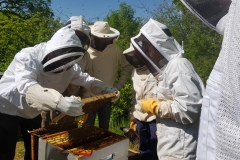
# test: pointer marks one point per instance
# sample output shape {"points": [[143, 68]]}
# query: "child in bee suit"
{"points": [[145, 86], [34, 81], [179, 91]]}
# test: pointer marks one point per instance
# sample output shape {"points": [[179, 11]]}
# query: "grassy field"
{"points": [[19, 151]]}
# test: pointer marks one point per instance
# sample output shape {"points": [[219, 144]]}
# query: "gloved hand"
{"points": [[150, 105], [133, 124], [114, 99], [160, 108], [110, 89], [71, 106]]}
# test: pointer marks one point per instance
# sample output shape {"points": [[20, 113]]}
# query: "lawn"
{"points": [[19, 151]]}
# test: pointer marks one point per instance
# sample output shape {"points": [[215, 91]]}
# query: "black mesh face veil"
{"points": [[209, 11], [135, 59], [62, 58], [100, 43], [153, 59], [85, 39]]}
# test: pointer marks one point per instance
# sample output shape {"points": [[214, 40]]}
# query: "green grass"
{"points": [[19, 151]]}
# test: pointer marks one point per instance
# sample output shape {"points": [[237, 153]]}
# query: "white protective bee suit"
{"points": [[26, 70], [104, 65], [179, 92], [144, 86], [34, 81], [219, 136], [219, 122]]}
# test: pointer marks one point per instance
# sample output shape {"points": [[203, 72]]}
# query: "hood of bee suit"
{"points": [[63, 50], [161, 38], [157, 45]]}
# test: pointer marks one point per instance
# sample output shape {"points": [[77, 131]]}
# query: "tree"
{"points": [[24, 23], [25, 8], [124, 21]]}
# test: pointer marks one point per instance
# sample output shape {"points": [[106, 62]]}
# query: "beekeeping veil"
{"points": [[133, 57], [209, 11], [156, 45], [83, 31], [66, 47], [227, 116]]}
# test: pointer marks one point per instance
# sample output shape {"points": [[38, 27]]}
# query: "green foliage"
{"points": [[17, 33], [24, 23], [122, 108], [125, 22], [128, 26], [25, 8]]}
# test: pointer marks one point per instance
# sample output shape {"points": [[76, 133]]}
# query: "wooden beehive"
{"points": [[85, 142], [54, 128], [64, 123]]}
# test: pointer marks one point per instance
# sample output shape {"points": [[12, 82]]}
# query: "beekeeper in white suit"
{"points": [[179, 91], [219, 132], [103, 60], [34, 81]]}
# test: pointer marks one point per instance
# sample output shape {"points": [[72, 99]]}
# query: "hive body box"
{"points": [[65, 140], [84, 143], [116, 151]]}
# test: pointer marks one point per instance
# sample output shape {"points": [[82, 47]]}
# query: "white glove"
{"points": [[114, 99], [110, 89], [42, 99], [70, 106]]}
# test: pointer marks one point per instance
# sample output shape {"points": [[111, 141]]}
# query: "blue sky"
{"points": [[94, 10]]}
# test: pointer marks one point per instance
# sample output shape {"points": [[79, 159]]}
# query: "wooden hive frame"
{"points": [[91, 104]]}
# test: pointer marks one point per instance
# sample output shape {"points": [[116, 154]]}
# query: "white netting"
{"points": [[228, 112]]}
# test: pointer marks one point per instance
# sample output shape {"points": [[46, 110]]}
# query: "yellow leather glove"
{"points": [[160, 108], [133, 124], [150, 105]]}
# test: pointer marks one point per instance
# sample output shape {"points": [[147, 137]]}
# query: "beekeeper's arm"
{"points": [[48, 99], [93, 84], [186, 89], [126, 71], [26, 71]]}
